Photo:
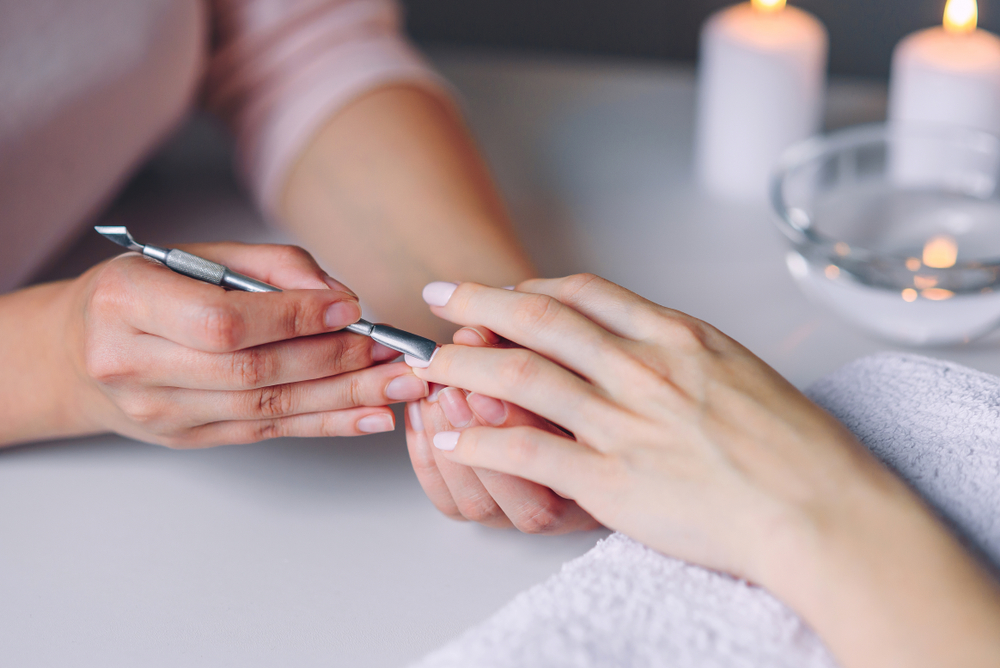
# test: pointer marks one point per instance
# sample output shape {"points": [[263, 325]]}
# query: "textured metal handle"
{"points": [[195, 267]]}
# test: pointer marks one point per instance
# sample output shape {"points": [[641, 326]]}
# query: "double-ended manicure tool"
{"points": [[211, 272]]}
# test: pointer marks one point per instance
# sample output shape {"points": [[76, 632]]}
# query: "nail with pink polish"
{"points": [[417, 363], [439, 292], [373, 424], [446, 440], [491, 411], [455, 407], [416, 416]]}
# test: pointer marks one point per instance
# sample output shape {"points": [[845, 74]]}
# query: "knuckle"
{"points": [[571, 288], [686, 334], [522, 450], [294, 319], [543, 518], [265, 430], [104, 365], [355, 390], [480, 509], [142, 410], [535, 313], [294, 255], [520, 368], [110, 287], [273, 401], [253, 367], [221, 327]]}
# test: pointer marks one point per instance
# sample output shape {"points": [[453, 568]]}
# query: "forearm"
{"points": [[391, 194], [40, 397], [884, 584]]}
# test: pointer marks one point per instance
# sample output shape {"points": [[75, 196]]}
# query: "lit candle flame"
{"points": [[940, 252], [768, 5], [961, 16]]}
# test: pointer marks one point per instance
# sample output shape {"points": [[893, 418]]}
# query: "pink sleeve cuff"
{"points": [[283, 67]]}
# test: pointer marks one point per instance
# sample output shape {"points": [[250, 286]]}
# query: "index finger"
{"points": [[155, 300]]}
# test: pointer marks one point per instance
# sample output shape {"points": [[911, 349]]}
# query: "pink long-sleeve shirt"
{"points": [[88, 88]]}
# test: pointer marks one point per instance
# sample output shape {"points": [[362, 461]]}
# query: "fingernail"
{"points": [[435, 390], [439, 292], [455, 407], [446, 440], [489, 409], [342, 314], [406, 388], [373, 424], [381, 353], [416, 416], [509, 287], [474, 331], [419, 363], [337, 285]]}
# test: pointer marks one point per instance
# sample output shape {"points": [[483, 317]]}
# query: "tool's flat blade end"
{"points": [[120, 235], [404, 342]]}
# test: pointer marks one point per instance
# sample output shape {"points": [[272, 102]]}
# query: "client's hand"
{"points": [[167, 359], [477, 494], [683, 439]]}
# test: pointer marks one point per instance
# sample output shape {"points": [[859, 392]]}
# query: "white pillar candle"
{"points": [[761, 79], [948, 75]]}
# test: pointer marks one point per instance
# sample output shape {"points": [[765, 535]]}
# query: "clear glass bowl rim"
{"points": [[825, 146]]}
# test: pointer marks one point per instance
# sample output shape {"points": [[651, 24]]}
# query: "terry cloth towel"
{"points": [[935, 423]]}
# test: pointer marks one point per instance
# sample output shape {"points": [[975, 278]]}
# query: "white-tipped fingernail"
{"points": [[439, 292], [419, 363], [446, 440], [416, 417]]}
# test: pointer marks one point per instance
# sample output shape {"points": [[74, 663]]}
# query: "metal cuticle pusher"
{"points": [[211, 272]]}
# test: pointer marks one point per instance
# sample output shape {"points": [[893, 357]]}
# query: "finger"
{"points": [[538, 322], [286, 267], [525, 378], [611, 306], [424, 464], [352, 422], [376, 386], [527, 452], [205, 317], [471, 497], [165, 363], [475, 337], [531, 507], [630, 316]]}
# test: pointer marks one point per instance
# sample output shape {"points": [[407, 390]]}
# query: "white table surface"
{"points": [[325, 552]]}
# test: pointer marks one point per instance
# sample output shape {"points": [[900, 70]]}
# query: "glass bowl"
{"points": [[897, 228]]}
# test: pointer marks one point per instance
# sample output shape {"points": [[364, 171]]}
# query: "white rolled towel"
{"points": [[935, 423]]}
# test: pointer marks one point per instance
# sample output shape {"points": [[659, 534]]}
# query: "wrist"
{"points": [[883, 582], [43, 396]]}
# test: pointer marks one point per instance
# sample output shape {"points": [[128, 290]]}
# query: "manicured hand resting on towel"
{"points": [[685, 441]]}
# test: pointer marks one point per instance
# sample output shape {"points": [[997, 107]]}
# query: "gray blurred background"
{"points": [[862, 32]]}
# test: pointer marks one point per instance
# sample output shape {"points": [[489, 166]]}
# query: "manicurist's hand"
{"points": [[160, 357], [684, 440], [477, 494]]}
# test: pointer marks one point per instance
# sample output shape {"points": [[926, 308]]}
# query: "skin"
{"points": [[134, 348], [682, 439], [393, 194], [374, 192]]}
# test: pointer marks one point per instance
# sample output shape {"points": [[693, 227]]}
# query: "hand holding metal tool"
{"points": [[211, 272]]}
